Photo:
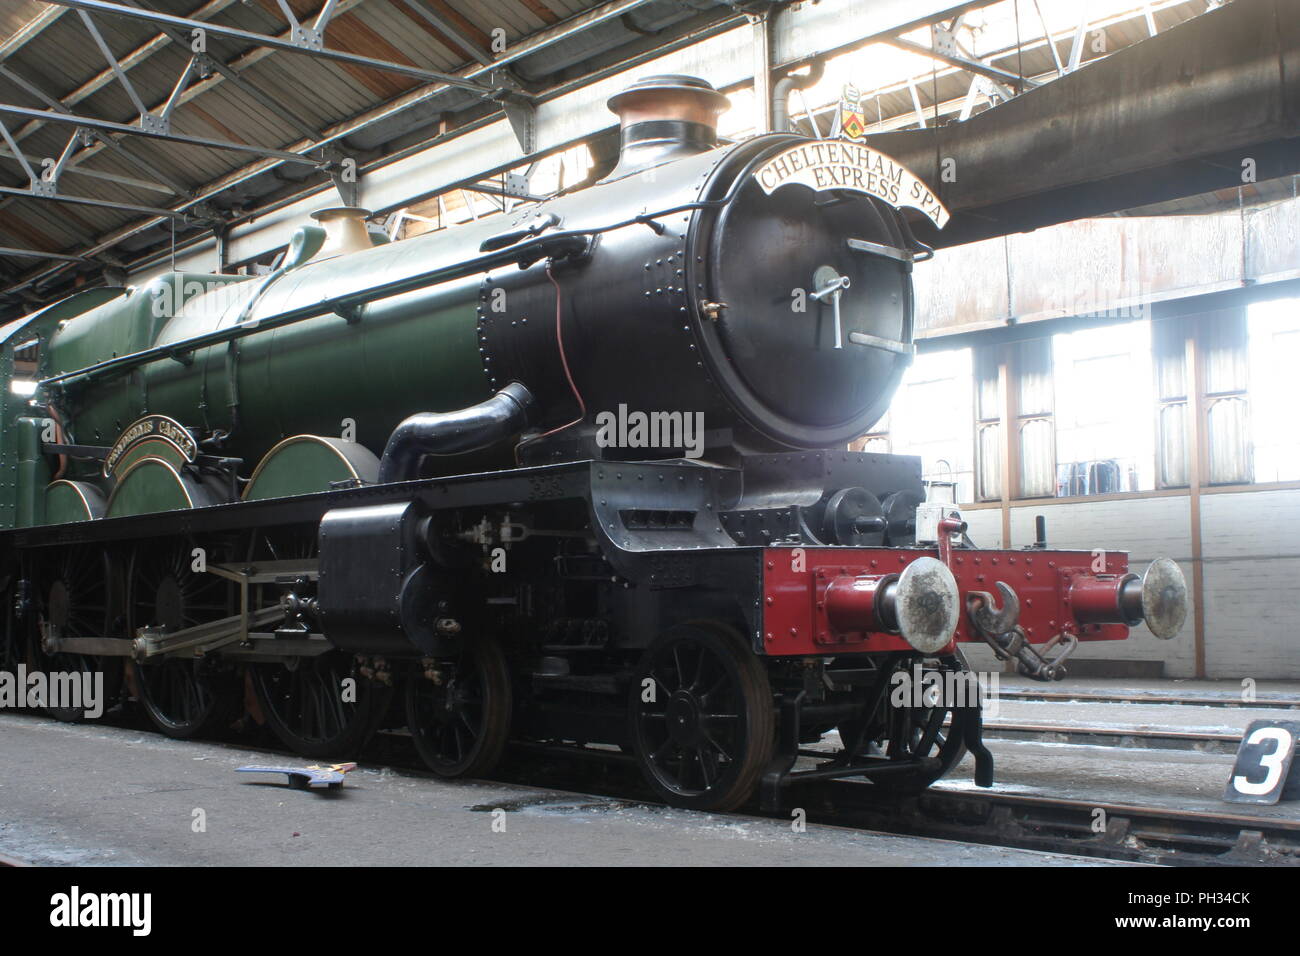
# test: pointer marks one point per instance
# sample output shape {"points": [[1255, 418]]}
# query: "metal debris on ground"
{"points": [[315, 777]]}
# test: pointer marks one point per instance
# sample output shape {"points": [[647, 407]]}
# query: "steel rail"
{"points": [[1283, 703], [1030, 728], [1197, 741], [1115, 808]]}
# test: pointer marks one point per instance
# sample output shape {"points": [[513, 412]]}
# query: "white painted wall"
{"points": [[1252, 570], [1251, 548]]}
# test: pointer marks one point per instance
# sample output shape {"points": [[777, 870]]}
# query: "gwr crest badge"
{"points": [[852, 123]]}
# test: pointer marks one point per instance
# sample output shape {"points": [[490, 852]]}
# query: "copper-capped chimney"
{"points": [[663, 118]]}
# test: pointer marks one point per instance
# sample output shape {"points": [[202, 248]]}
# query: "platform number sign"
{"points": [[1263, 768]]}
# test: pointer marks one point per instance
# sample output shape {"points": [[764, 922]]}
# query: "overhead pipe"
{"points": [[787, 85]]}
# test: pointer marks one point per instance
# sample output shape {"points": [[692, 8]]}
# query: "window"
{"points": [[1274, 356], [1105, 410], [1104, 431], [932, 415]]}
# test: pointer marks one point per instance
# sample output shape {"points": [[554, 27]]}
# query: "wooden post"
{"points": [[1197, 469], [1008, 390]]}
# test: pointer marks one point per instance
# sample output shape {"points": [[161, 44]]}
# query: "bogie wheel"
{"points": [[78, 595], [702, 717], [915, 730], [184, 696], [320, 706], [458, 710]]}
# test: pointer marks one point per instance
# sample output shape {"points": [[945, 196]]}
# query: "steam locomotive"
{"points": [[572, 477]]}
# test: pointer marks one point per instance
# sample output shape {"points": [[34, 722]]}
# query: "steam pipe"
{"points": [[784, 87], [452, 433]]}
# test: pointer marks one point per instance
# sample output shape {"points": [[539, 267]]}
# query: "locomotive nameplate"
{"points": [[155, 427], [837, 165]]}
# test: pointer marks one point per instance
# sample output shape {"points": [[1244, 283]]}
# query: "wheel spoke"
{"points": [[721, 750], [708, 769]]}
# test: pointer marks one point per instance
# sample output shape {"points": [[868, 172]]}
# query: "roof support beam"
{"points": [[303, 46], [491, 189], [74, 170], [84, 201], [1051, 43], [110, 127], [75, 141], [961, 62], [141, 164], [916, 105], [165, 114], [207, 64], [113, 64], [29, 31], [13, 149], [38, 254], [1076, 48], [323, 18]]}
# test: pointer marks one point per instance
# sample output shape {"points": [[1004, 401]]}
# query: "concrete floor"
{"points": [[93, 794], [96, 794]]}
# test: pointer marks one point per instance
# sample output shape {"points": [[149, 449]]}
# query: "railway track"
{"points": [[1106, 830], [1155, 739], [1102, 830], [1120, 831], [1190, 700]]}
